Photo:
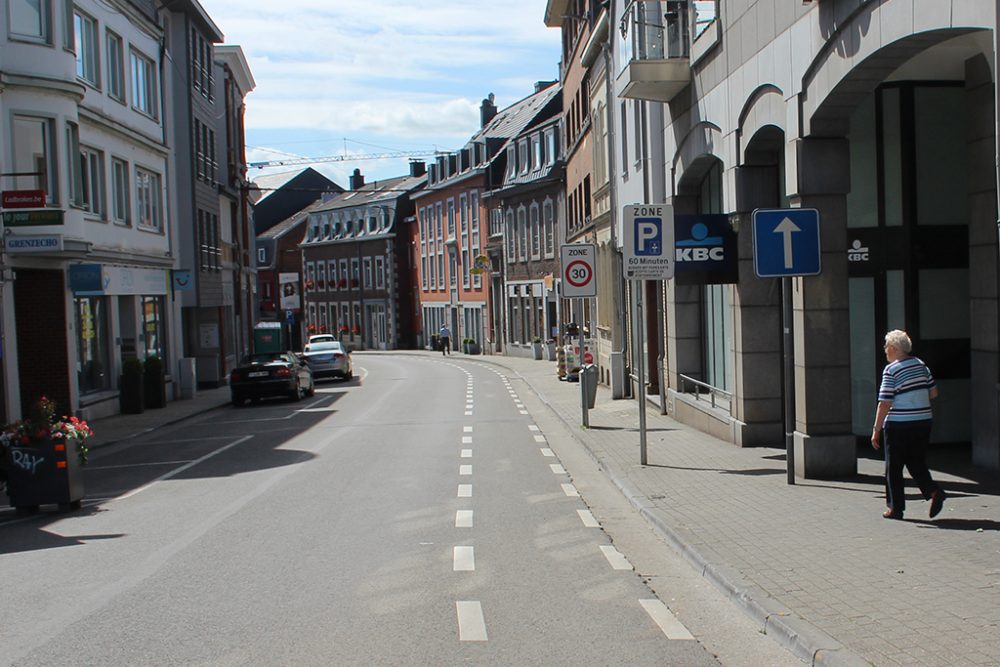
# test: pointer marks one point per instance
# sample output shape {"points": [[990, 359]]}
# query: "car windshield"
{"points": [[324, 347], [267, 357], [321, 338]]}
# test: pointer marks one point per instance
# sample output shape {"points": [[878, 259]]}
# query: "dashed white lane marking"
{"points": [[467, 429], [615, 558], [546, 451], [463, 519], [570, 490], [539, 438], [471, 624], [464, 470], [523, 412], [588, 519], [466, 439], [468, 413], [466, 453], [464, 559], [532, 427], [464, 490], [557, 469], [664, 618]]}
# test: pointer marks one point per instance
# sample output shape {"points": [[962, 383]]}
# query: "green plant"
{"points": [[132, 368], [153, 366], [536, 339]]}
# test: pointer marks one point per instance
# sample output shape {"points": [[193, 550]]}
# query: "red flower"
{"points": [[25, 440]]}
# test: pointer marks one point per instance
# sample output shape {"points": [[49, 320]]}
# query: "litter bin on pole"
{"points": [[588, 372]]}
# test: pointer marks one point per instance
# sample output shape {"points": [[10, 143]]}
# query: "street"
{"points": [[427, 512]]}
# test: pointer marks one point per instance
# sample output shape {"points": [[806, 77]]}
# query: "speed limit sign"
{"points": [[578, 271]]}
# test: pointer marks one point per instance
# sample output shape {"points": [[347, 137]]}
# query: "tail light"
{"points": [[235, 376], [337, 355], [283, 372]]}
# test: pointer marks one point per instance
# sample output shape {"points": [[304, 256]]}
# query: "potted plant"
{"points": [[154, 383], [536, 348], [470, 346], [311, 328], [130, 387], [42, 458], [550, 349]]}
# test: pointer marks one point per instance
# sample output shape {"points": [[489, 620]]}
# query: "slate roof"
{"points": [[376, 191], [290, 223], [509, 122], [270, 183]]}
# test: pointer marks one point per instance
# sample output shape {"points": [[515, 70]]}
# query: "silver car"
{"points": [[328, 359]]}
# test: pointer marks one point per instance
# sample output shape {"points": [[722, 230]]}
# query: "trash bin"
{"points": [[588, 373]]}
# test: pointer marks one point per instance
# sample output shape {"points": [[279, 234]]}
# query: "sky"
{"points": [[362, 77]]}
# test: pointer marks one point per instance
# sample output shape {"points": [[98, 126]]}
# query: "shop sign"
{"points": [[288, 283], [104, 280], [857, 252], [23, 198], [182, 280], [40, 243], [86, 279], [32, 218], [705, 250]]}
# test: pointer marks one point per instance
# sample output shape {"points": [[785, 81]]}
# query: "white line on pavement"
{"points": [[523, 412], [177, 471], [466, 453], [557, 469], [471, 624], [463, 519], [467, 429], [588, 519], [546, 451], [464, 470], [139, 465], [539, 438], [468, 413], [615, 558], [570, 490], [466, 439], [464, 559], [664, 618], [464, 490]]}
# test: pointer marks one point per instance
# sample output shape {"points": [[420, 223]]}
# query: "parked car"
{"points": [[322, 338], [271, 374], [329, 359]]}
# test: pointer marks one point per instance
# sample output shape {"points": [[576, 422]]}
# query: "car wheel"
{"points": [[296, 394], [312, 388], [350, 375]]}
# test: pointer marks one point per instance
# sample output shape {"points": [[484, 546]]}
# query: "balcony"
{"points": [[655, 42]]}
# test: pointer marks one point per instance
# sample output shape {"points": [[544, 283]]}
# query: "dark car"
{"points": [[329, 359], [271, 374]]}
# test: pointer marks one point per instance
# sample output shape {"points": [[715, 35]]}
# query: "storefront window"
{"points": [[152, 327], [92, 369]]}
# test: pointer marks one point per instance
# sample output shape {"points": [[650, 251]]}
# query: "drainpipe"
{"points": [[620, 310]]}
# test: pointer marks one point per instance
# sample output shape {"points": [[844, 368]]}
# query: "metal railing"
{"points": [[655, 30], [712, 392]]}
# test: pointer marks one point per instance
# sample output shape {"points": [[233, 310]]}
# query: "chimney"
{"points": [[542, 85], [357, 179], [488, 110], [417, 168]]}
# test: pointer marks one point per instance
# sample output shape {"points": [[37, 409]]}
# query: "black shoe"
{"points": [[937, 502]]}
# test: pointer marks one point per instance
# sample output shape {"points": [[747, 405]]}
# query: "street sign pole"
{"points": [[640, 286], [582, 375], [789, 388]]}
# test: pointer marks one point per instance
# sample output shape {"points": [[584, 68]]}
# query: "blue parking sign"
{"points": [[786, 242]]}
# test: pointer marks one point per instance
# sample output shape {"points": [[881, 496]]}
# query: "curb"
{"points": [[798, 636], [150, 429]]}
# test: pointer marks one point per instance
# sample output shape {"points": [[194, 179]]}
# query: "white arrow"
{"points": [[786, 228]]}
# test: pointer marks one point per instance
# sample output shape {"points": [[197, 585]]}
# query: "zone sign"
{"points": [[578, 274]]}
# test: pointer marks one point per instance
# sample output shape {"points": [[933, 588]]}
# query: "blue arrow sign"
{"points": [[786, 242]]}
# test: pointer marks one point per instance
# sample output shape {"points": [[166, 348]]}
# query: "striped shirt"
{"points": [[907, 383]]}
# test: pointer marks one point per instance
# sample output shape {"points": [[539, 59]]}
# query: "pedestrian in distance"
{"points": [[444, 335], [903, 420]]}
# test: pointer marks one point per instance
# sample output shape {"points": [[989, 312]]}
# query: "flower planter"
{"points": [[536, 351], [471, 348], [550, 350], [48, 473]]}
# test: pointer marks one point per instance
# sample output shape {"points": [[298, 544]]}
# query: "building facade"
{"points": [[358, 264], [87, 268], [879, 114]]}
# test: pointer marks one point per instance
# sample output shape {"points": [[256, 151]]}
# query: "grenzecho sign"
{"points": [[648, 252]]}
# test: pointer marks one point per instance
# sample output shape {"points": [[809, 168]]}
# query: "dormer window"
{"points": [[550, 146], [522, 156], [511, 162], [536, 151]]}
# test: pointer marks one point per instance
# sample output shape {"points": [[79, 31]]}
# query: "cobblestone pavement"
{"points": [[815, 563]]}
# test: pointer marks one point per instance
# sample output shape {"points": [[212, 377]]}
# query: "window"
{"points": [[451, 218], [522, 156], [380, 272], [639, 128], [550, 146], [536, 243], [536, 151], [463, 213], [511, 162], [261, 255], [474, 247], [30, 19], [119, 192], [355, 272], [116, 67], [624, 139], [93, 370], [511, 232], [153, 328], [522, 233], [368, 272], [148, 200], [74, 165], [92, 181], [548, 220], [331, 268], [201, 64], [144, 95], [209, 242], [34, 152], [87, 58]]}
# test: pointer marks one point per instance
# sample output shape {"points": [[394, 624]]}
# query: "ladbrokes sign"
{"points": [[705, 250]]}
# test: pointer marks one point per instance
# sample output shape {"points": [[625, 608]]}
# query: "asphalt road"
{"points": [[421, 514]]}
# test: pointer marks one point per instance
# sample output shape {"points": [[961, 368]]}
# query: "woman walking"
{"points": [[904, 417]]}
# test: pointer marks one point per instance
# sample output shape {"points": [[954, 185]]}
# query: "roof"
{"points": [[290, 223], [376, 191], [271, 183], [511, 121]]}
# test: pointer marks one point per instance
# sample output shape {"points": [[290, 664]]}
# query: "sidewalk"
{"points": [[815, 563]]}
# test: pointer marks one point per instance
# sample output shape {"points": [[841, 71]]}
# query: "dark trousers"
{"points": [[445, 345], [906, 445]]}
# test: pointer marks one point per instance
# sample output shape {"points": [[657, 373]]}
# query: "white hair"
{"points": [[899, 340]]}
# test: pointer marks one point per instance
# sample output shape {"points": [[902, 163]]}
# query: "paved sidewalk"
{"points": [[815, 563]]}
